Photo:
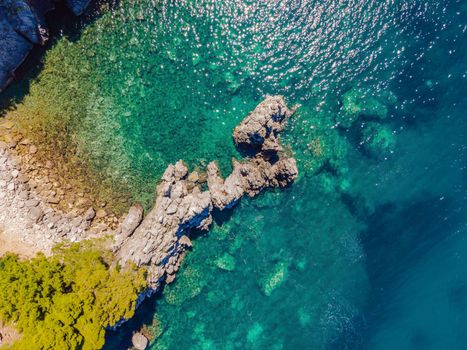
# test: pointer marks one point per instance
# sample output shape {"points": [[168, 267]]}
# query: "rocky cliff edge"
{"points": [[22, 25]]}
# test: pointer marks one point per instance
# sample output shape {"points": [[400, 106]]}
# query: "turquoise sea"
{"points": [[368, 248]]}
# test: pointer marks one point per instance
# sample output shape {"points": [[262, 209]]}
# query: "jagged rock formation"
{"points": [[159, 241], [22, 25]]}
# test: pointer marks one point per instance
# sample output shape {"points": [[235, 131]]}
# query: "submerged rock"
{"points": [[378, 139], [275, 278], [358, 103], [226, 262], [139, 341], [160, 240]]}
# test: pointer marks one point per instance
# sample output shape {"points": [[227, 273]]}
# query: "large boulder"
{"points": [[259, 130], [22, 25]]}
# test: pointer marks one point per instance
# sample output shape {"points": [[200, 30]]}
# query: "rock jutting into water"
{"points": [[22, 25], [159, 241]]}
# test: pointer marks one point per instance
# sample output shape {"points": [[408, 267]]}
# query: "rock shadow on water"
{"points": [[120, 339]]}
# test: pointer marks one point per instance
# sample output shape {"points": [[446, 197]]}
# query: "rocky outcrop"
{"points": [[159, 242], [22, 25], [258, 132]]}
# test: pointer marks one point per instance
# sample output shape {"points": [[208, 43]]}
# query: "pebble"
{"points": [[35, 214], [23, 195], [22, 178], [32, 203], [53, 200], [101, 213], [89, 214], [32, 149]]}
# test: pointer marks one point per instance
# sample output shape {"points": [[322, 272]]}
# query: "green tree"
{"points": [[66, 301]]}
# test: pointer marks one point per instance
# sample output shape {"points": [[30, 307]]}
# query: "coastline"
{"points": [[365, 250], [38, 208], [31, 204]]}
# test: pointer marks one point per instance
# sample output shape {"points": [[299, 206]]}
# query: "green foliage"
{"points": [[66, 301]]}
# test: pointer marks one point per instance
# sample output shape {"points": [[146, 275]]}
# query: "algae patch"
{"points": [[225, 262], [275, 278]]}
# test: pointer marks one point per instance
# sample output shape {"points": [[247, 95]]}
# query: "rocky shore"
{"points": [[31, 221], [159, 241], [22, 25], [38, 208]]}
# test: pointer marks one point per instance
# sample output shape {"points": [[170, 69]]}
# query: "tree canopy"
{"points": [[66, 301]]}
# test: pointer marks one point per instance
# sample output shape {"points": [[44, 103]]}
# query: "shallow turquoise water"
{"points": [[365, 250]]}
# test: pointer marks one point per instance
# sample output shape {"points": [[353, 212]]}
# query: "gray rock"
{"points": [[22, 25], [193, 177], [259, 130], [132, 220], [90, 214], [159, 240], [35, 214], [185, 242]]}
